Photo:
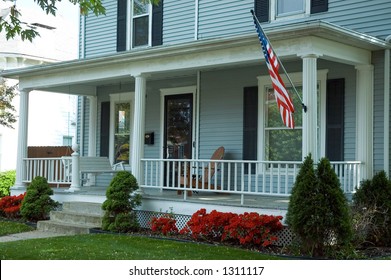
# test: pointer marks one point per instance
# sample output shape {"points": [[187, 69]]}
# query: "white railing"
{"points": [[55, 170], [218, 176], [237, 177]]}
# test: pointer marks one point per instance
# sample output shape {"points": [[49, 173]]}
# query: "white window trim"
{"points": [[114, 99], [297, 78], [275, 17], [129, 35]]}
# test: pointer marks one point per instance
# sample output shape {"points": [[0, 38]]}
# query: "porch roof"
{"points": [[82, 76]]}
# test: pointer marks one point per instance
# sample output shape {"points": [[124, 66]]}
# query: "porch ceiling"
{"points": [[81, 77]]}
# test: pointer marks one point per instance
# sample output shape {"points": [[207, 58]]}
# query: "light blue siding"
{"points": [[371, 17], [178, 21], [378, 112], [101, 31], [224, 18]]}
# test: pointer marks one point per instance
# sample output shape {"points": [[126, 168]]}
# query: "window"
{"points": [[290, 7], [67, 140], [121, 127], [121, 132], [275, 141], [282, 143], [140, 23]]}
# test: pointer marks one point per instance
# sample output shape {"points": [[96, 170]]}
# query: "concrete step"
{"points": [[83, 207], [64, 228], [64, 216]]}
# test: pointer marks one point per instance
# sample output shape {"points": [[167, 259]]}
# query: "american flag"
{"points": [[283, 99]]}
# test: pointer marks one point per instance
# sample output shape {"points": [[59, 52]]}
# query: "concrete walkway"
{"points": [[35, 234]]}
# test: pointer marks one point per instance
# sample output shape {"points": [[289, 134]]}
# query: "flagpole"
{"points": [[282, 65]]}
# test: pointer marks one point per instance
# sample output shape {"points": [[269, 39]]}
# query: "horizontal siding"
{"points": [[223, 18], [101, 31], [378, 113], [371, 17], [178, 21]]}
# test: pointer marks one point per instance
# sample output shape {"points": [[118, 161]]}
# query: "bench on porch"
{"points": [[92, 165], [98, 165]]}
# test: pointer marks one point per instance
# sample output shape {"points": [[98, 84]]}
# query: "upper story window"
{"points": [[140, 23], [290, 7], [271, 10]]}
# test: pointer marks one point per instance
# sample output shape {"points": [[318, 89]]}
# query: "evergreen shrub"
{"points": [[318, 212], [372, 211], [37, 203], [120, 202], [7, 180]]}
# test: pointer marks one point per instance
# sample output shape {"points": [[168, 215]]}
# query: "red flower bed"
{"points": [[248, 228], [10, 206], [165, 225]]}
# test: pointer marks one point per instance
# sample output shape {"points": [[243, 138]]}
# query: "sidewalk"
{"points": [[35, 234]]}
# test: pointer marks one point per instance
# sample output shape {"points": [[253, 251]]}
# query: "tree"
{"points": [[318, 212], [7, 110], [12, 26]]}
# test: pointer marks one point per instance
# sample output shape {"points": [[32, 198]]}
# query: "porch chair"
{"points": [[191, 181]]}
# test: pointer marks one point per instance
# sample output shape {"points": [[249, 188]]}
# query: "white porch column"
{"points": [[138, 128], [310, 130], [92, 128], [364, 118], [22, 139]]}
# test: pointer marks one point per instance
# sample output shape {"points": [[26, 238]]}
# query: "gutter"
{"points": [[387, 66]]}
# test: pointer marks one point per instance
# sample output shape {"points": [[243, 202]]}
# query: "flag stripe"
{"points": [[283, 99]]}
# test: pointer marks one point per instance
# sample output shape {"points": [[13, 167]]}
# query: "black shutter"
{"points": [[121, 25], [104, 129], [335, 103], [250, 124], [319, 6], [261, 8], [157, 24]]}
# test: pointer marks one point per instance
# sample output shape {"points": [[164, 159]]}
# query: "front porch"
{"points": [[240, 185]]}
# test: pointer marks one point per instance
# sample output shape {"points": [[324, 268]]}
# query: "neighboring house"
{"points": [[52, 117], [190, 76]]}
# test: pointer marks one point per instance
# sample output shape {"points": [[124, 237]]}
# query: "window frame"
{"points": [[297, 79], [274, 16], [117, 98], [130, 22]]}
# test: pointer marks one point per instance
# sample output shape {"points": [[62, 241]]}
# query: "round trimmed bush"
{"points": [[120, 202]]}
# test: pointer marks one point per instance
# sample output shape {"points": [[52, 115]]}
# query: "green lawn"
{"points": [[7, 228], [112, 247]]}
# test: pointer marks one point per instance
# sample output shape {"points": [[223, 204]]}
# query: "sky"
{"points": [[62, 41]]}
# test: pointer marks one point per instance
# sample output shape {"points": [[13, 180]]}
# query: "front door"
{"points": [[178, 126], [178, 133]]}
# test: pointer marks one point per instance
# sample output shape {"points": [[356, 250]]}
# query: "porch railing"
{"points": [[55, 170], [218, 176], [238, 177]]}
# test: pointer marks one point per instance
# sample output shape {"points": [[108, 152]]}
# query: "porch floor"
{"points": [[250, 201]]}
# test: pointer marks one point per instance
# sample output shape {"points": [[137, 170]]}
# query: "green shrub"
{"points": [[120, 202], [318, 212], [7, 180], [37, 203], [372, 211]]}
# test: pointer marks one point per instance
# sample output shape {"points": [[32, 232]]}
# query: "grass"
{"points": [[7, 228], [113, 247]]}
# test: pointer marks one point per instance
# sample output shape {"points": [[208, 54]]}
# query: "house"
{"points": [[162, 87], [49, 47]]}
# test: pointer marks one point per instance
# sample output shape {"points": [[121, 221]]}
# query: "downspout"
{"points": [[387, 66]]}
